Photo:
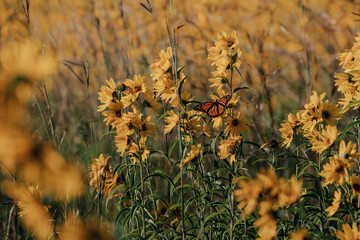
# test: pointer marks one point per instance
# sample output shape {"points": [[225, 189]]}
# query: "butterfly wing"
{"points": [[214, 109], [204, 107], [224, 100]]}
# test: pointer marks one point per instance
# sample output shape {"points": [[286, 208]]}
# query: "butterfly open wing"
{"points": [[214, 109]]}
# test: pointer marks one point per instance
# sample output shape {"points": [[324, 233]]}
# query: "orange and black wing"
{"points": [[224, 100], [204, 107], [214, 109]]}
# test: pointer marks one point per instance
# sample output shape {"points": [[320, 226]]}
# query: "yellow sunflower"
{"points": [[348, 151], [171, 121], [114, 113], [194, 152], [334, 172], [162, 65], [330, 112], [348, 233], [287, 133], [229, 147], [335, 204], [106, 94], [324, 139], [236, 124], [134, 87], [98, 170], [145, 127], [344, 82], [150, 101]]}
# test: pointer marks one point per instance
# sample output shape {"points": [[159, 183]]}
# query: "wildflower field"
{"points": [[167, 119]]}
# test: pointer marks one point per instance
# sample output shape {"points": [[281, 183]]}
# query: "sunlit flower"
{"points": [[330, 112], [75, 229], [335, 171], [236, 124], [293, 120], [226, 41], [315, 100], [121, 141], [145, 127], [300, 234], [348, 233], [106, 94], [194, 152], [135, 87], [162, 65], [98, 171], [218, 81], [348, 151], [17, 75], [346, 60], [229, 147], [324, 139], [114, 113], [151, 102], [335, 204], [287, 133], [171, 121], [344, 82], [138, 151]]}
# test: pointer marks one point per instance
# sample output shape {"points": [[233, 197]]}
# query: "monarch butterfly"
{"points": [[214, 109]]}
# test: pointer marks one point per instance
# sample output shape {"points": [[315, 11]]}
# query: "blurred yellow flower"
{"points": [[300, 234], [348, 233], [335, 204], [194, 152], [33, 213], [97, 171]]}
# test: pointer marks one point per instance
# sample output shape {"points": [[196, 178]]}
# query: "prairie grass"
{"points": [[164, 119]]}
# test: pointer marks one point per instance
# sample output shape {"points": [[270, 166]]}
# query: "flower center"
{"points": [[229, 43], [235, 122], [137, 89], [356, 187], [118, 113], [340, 169], [326, 114]]}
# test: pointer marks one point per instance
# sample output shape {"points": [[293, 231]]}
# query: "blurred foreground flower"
{"points": [[33, 213]]}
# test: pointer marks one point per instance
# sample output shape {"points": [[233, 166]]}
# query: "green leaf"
{"points": [[172, 145], [242, 88], [350, 105], [347, 128]]}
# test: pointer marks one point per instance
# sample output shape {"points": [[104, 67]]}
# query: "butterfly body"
{"points": [[215, 108]]}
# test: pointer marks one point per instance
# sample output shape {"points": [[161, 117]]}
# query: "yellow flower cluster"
{"points": [[102, 176], [268, 193], [25, 161], [349, 82], [316, 122], [123, 105]]}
